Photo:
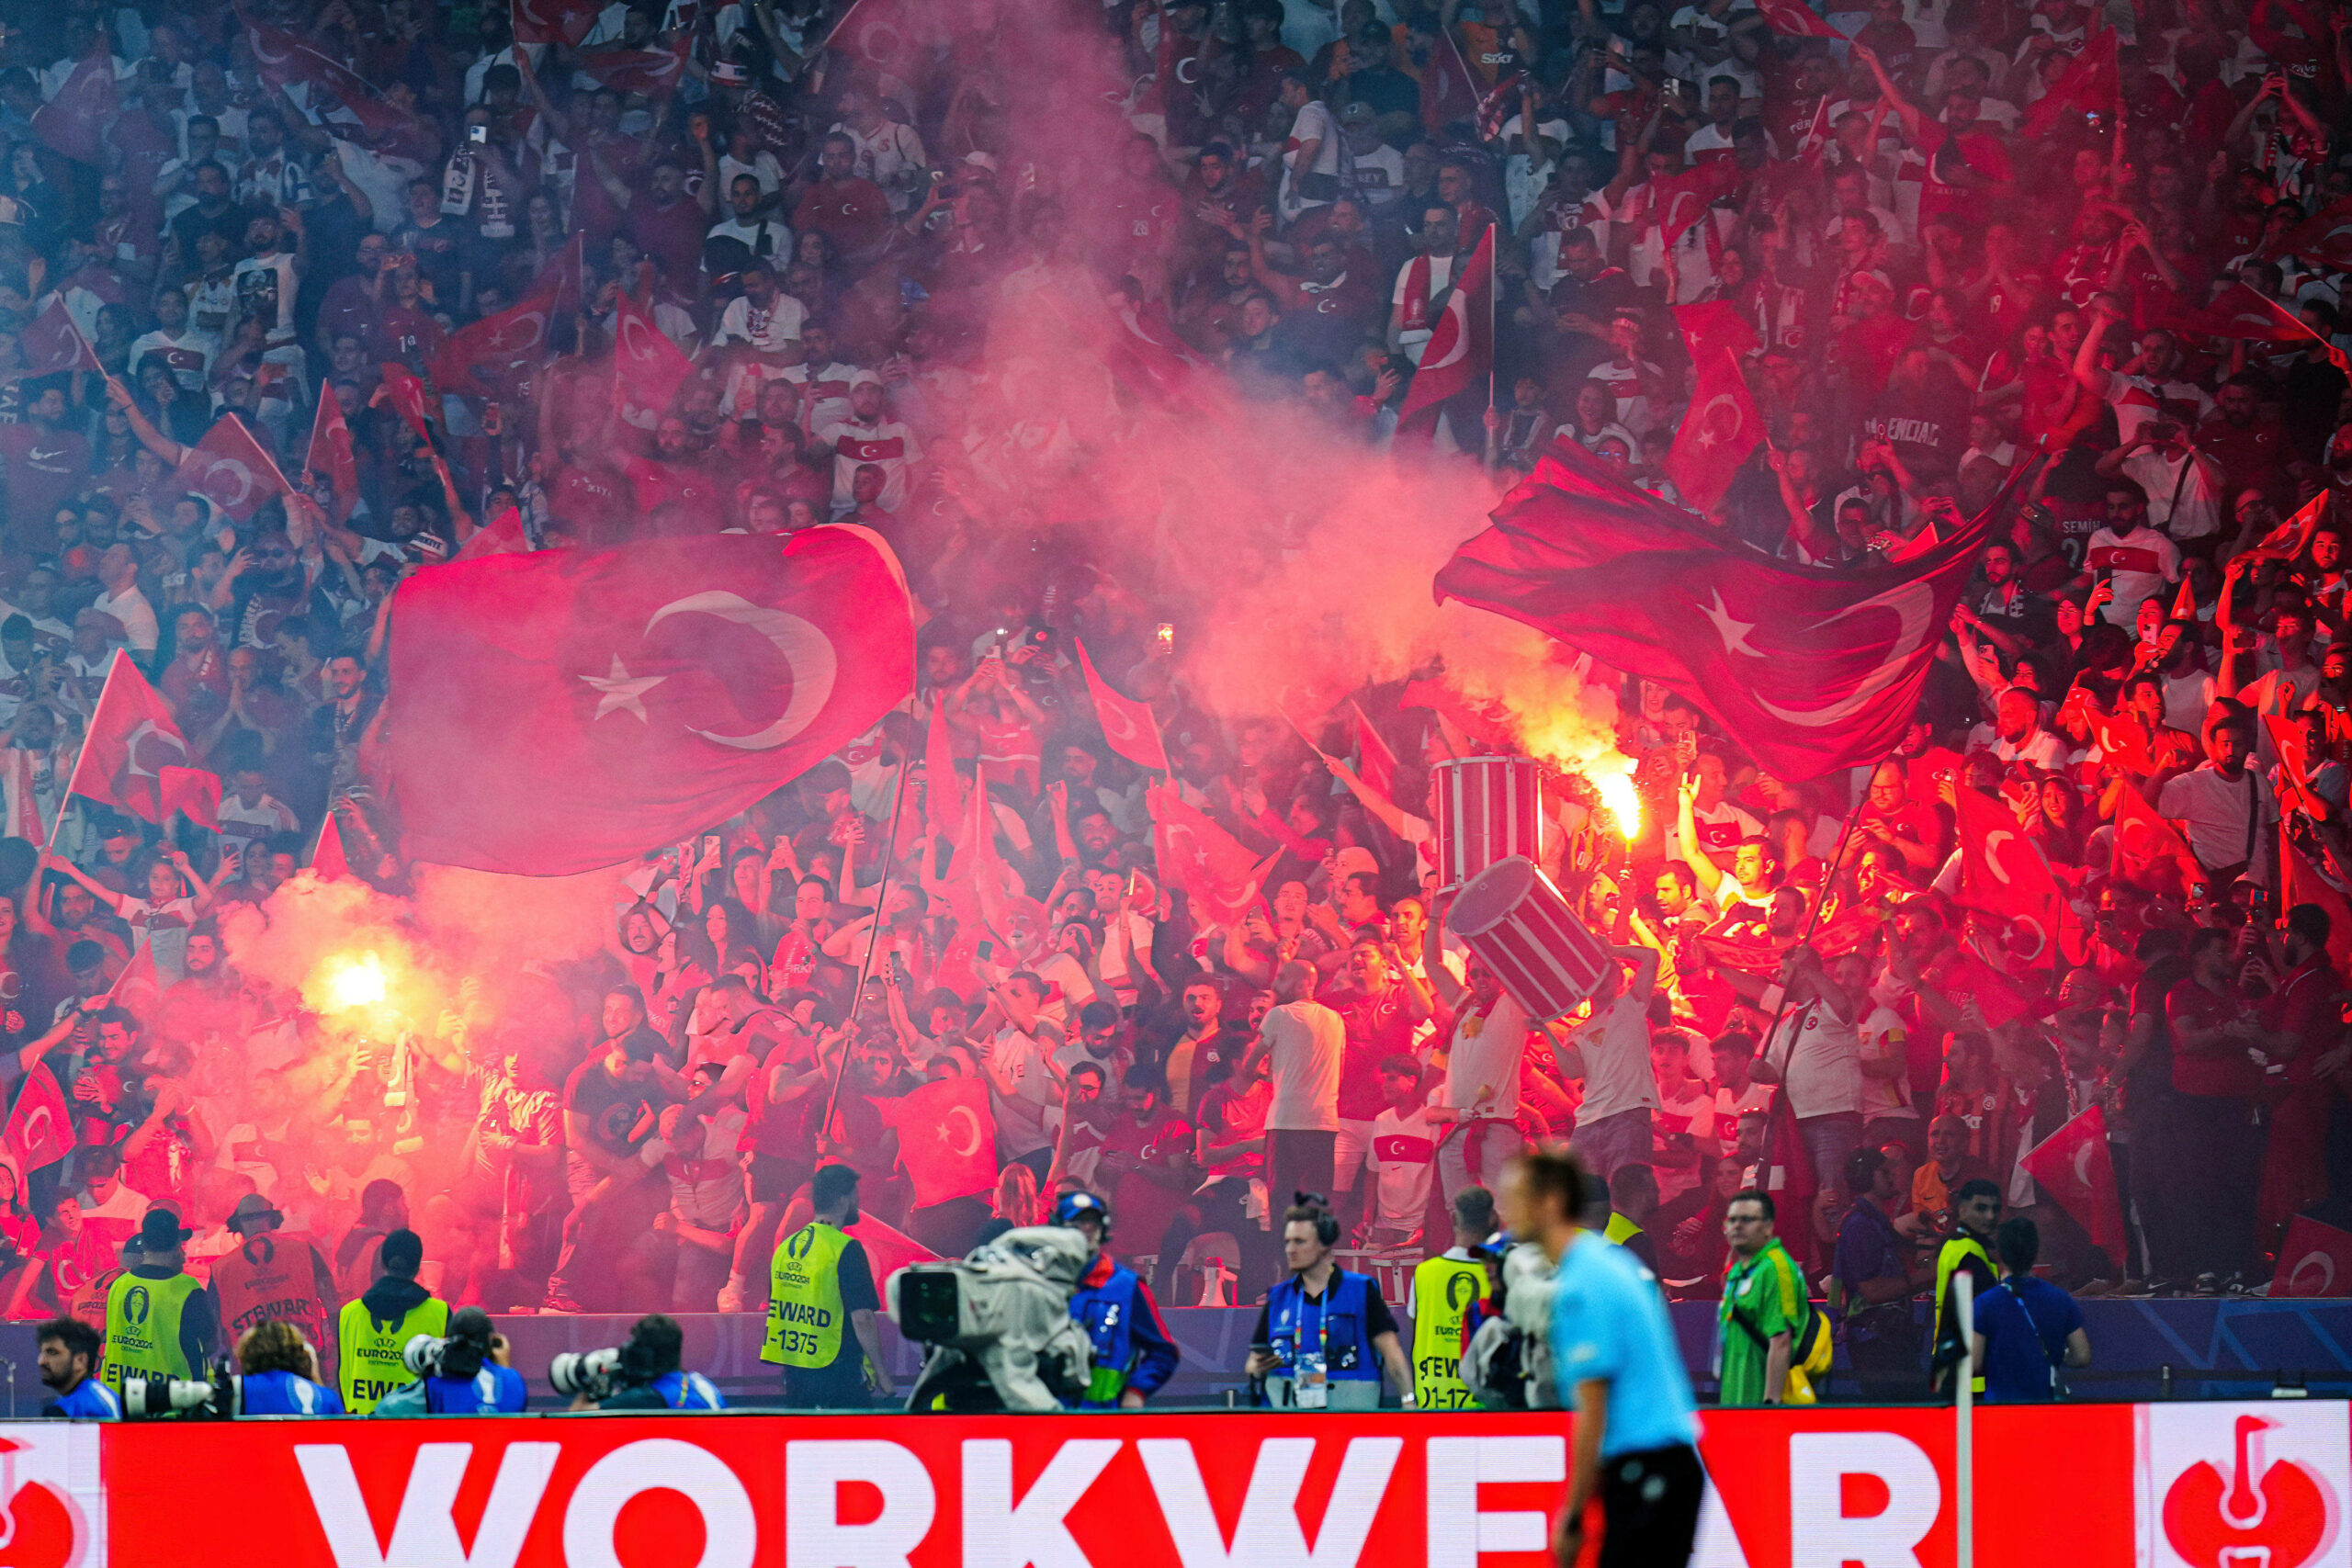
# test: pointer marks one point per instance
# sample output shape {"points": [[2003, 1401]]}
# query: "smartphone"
{"points": [[478, 134], [1165, 635], [898, 971], [710, 843]]}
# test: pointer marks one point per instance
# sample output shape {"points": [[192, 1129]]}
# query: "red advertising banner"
{"points": [[2181, 1485]]}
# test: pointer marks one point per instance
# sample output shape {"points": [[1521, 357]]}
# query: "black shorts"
{"points": [[1649, 1505], [772, 1178]]}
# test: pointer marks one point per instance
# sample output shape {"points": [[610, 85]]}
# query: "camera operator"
{"points": [[650, 1375], [822, 1303], [281, 1373], [160, 1323], [463, 1374], [1133, 1352], [1324, 1336], [69, 1348]]}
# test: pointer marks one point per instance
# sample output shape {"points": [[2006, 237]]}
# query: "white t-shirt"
{"points": [[1482, 1063], [888, 444], [265, 287], [1313, 123], [2215, 812], [1820, 1059], [1882, 1036], [1401, 1155], [1615, 1047], [767, 331], [1305, 1042], [1017, 1061], [188, 354], [248, 825], [2141, 564], [136, 616]]}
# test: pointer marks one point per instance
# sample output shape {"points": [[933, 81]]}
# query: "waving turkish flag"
{"points": [[283, 59], [946, 1139], [1715, 328], [2003, 873], [487, 358], [75, 121], [1376, 759], [1210, 864], [400, 388], [1716, 437], [135, 758], [2300, 883], [2324, 237], [53, 343], [555, 21], [2073, 1163], [1794, 18], [330, 453], [1809, 669], [654, 72], [648, 369], [1449, 92], [228, 469], [2145, 843], [566, 710], [2239, 311], [41, 1129], [1461, 351], [2314, 1260], [1128, 725]]}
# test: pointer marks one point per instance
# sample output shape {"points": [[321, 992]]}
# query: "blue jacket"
{"points": [[1339, 1322], [1131, 1344], [495, 1388], [688, 1391], [288, 1393], [90, 1401]]}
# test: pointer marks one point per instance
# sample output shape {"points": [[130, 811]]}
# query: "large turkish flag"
{"points": [[1810, 668], [565, 710], [134, 758]]}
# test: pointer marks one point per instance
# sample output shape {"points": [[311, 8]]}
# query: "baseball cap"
{"points": [[863, 378], [1070, 1207]]}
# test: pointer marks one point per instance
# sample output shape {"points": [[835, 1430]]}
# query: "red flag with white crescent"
{"points": [[2239, 311], [1449, 92], [404, 392], [487, 358], [134, 758], [2146, 843], [52, 343], [41, 1127], [330, 453], [555, 21], [1213, 868], [2300, 883], [2004, 873], [562, 711], [946, 1139], [648, 369], [1807, 668], [232, 469], [1460, 354], [1715, 328], [1716, 436], [2324, 237], [655, 73], [74, 122], [1794, 18], [1128, 725], [502, 536], [2315, 1259], [2074, 1165]]}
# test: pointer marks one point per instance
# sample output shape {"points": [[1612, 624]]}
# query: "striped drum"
{"points": [[1486, 810], [1517, 924]]}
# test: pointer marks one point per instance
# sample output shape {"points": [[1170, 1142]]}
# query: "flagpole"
{"points": [[874, 937]]}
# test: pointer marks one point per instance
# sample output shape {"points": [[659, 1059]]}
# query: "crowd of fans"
{"points": [[1979, 235]]}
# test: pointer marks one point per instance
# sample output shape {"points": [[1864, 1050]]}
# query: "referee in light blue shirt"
{"points": [[1619, 1370]]}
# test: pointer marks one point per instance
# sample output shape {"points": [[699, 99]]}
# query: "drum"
{"points": [[1486, 810], [1518, 925]]}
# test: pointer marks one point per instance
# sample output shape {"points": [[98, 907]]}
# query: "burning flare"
{"points": [[347, 981]]}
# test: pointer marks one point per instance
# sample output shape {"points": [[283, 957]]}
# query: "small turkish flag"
{"points": [[490, 357], [2300, 883], [2003, 873], [1210, 864], [1128, 725], [39, 1129], [232, 470], [1449, 92], [562, 711], [2239, 312], [75, 121], [52, 343], [135, 758], [648, 369], [402, 388], [2144, 842], [1794, 18], [327, 858], [1716, 437], [946, 1139], [555, 21], [2074, 1165], [138, 987], [2314, 1260], [887, 1250], [1713, 328], [330, 453], [502, 536], [1460, 354], [652, 72]]}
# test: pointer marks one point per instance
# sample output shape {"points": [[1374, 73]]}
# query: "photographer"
{"points": [[464, 1373], [650, 1374], [281, 1373], [69, 1349]]}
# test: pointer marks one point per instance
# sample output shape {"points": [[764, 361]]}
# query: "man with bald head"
{"points": [[1303, 1043]]}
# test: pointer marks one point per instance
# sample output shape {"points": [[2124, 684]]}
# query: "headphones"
{"points": [[1327, 1225]]}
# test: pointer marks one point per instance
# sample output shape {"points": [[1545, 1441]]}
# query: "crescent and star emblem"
{"points": [[968, 1145], [808, 654], [1914, 605]]}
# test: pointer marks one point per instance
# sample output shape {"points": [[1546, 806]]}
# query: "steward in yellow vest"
{"points": [[822, 1302], [159, 1321], [1445, 1289], [372, 1331]]}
